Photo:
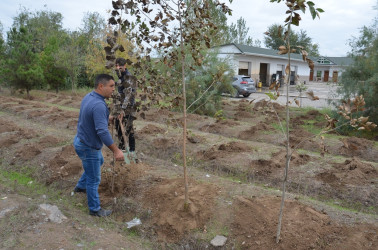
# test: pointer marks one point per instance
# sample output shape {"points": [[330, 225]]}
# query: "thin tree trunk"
{"points": [[287, 141], [184, 109]]}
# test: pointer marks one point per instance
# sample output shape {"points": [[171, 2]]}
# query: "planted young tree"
{"points": [[350, 109], [168, 29], [293, 18]]}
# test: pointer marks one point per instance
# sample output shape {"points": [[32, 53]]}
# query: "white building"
{"points": [[263, 64]]}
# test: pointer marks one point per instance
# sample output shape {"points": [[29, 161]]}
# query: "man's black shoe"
{"points": [[79, 190], [101, 213]]}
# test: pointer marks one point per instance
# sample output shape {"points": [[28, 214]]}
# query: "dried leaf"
{"points": [[287, 70], [272, 85], [311, 96]]}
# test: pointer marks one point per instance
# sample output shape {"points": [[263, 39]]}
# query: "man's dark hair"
{"points": [[120, 61], [102, 78]]}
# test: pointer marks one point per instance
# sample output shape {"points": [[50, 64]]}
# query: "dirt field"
{"points": [[235, 168]]}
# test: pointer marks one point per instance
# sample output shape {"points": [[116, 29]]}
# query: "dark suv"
{"points": [[244, 85]]}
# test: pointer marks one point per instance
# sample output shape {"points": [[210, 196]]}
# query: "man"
{"points": [[127, 91], [92, 133]]}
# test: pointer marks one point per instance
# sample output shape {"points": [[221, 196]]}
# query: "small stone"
{"points": [[218, 241]]}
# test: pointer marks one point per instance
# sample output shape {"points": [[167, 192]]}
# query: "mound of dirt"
{"points": [[227, 122], [248, 134], [243, 106], [48, 141], [302, 136], [6, 126], [170, 217], [215, 128], [66, 163], [351, 172], [119, 180], [263, 104], [260, 104], [235, 147], [8, 140], [157, 116], [27, 152], [256, 220], [310, 115], [35, 113], [151, 129], [354, 146], [242, 114], [224, 151], [162, 143], [72, 124], [272, 167]]}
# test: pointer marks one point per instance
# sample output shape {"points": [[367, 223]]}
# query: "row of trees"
{"points": [[39, 53]]}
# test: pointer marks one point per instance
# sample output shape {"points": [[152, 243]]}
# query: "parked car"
{"points": [[244, 85]]}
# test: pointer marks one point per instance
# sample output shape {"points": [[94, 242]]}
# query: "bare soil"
{"points": [[235, 167]]}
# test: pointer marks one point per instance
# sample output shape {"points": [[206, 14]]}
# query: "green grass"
{"points": [[341, 205]]}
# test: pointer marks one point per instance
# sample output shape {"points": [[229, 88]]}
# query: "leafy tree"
{"points": [[41, 25], [70, 57], [277, 35], [96, 57], [188, 34], [2, 54], [361, 78], [238, 33], [23, 65], [54, 73]]}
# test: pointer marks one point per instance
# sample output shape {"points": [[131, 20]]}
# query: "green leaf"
{"points": [[320, 10], [310, 4], [272, 96], [313, 12]]}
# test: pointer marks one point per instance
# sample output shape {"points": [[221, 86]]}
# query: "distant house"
{"points": [[265, 65]]}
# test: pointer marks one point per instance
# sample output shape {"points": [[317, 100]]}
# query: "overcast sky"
{"points": [[341, 20]]}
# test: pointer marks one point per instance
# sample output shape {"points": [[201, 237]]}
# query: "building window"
{"points": [[323, 60]]}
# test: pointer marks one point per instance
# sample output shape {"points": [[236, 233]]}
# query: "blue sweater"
{"points": [[92, 127]]}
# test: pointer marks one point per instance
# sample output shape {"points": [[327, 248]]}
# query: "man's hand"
{"points": [[120, 116], [118, 155], [111, 119]]}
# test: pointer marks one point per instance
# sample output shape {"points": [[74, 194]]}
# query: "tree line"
{"points": [[39, 53]]}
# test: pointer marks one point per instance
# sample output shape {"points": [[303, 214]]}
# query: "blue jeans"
{"points": [[92, 160]]}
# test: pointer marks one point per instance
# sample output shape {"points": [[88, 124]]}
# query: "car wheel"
{"points": [[246, 95]]}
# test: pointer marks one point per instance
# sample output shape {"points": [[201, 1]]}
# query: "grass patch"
{"points": [[345, 206]]}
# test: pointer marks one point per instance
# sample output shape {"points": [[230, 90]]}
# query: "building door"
{"points": [[335, 75], [311, 75], [326, 75], [263, 74]]}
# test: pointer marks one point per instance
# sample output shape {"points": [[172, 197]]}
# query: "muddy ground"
{"points": [[235, 168]]}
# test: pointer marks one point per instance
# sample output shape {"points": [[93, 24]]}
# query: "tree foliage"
{"points": [[23, 68], [238, 33], [361, 78], [275, 37]]}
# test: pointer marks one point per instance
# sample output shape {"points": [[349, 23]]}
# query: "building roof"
{"points": [[342, 61], [252, 50]]}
